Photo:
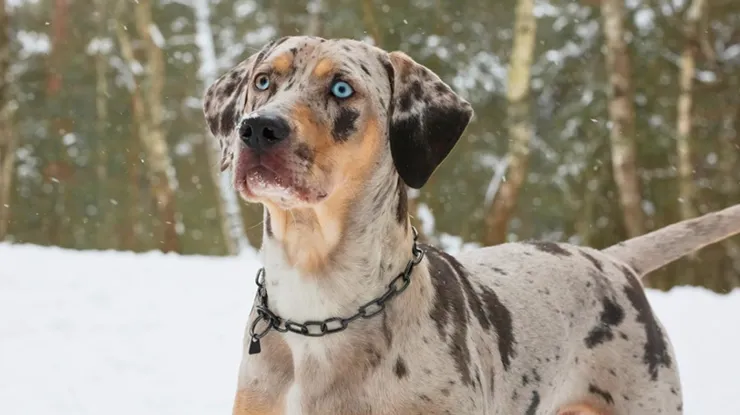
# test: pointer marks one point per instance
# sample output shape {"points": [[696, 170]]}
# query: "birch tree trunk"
{"points": [[687, 189], [8, 140], [520, 127], [232, 224], [622, 117]]}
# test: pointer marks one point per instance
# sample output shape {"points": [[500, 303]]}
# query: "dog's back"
{"points": [[574, 324], [581, 331]]}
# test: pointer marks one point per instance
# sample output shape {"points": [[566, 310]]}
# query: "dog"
{"points": [[353, 316]]}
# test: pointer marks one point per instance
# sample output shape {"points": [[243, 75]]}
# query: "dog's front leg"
{"points": [[264, 378]]}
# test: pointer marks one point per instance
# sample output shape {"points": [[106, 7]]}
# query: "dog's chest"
{"points": [[293, 400]]}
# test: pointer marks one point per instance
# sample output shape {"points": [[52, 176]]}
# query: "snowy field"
{"points": [[152, 334]]}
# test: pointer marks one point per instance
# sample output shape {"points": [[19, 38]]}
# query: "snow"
{"points": [[91, 332]]}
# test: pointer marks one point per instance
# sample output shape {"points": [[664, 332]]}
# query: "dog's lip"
{"points": [[265, 174]]}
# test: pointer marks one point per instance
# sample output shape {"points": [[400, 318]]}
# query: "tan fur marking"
{"points": [[282, 63], [323, 68], [581, 409], [309, 235], [250, 402], [265, 395]]}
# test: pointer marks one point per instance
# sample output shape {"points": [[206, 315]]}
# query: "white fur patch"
{"points": [[293, 400]]}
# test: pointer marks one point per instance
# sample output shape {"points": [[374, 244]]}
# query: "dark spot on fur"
{"points": [[230, 87], [606, 396], [533, 404], [550, 247], [440, 88], [424, 398], [269, 47], [500, 317], [228, 118], [402, 209], [294, 51], [498, 270], [445, 392], [364, 69], [487, 309], [611, 316], [268, 223], [413, 94], [386, 330], [400, 368], [593, 260], [373, 356], [213, 123], [656, 349], [536, 376], [304, 152], [525, 380], [344, 124], [449, 309]]}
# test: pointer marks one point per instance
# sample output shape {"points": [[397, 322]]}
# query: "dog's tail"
{"points": [[651, 251]]}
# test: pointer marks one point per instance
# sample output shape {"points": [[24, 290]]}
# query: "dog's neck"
{"points": [[326, 261]]}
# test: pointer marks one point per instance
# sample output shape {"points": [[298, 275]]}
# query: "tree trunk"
{"points": [[105, 219], [8, 140], [371, 24], [313, 27], [56, 218], [730, 185], [687, 189], [127, 228], [622, 117], [159, 163], [520, 126], [148, 115], [232, 225]]}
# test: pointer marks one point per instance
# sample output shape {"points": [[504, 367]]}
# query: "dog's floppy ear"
{"points": [[225, 100], [427, 118], [223, 104]]}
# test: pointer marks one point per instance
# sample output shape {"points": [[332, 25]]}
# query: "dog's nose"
{"points": [[264, 130]]}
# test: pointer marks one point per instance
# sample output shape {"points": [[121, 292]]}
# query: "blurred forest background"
{"points": [[596, 120]]}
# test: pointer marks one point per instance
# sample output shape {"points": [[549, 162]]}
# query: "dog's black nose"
{"points": [[264, 130]]}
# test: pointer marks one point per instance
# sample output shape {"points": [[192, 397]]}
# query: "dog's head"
{"points": [[307, 116]]}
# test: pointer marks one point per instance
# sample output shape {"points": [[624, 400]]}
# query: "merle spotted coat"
{"points": [[327, 134]]}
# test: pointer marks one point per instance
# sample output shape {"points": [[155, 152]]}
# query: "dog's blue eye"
{"points": [[262, 82], [341, 89]]}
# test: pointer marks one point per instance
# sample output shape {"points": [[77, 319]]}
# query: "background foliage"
{"points": [[80, 176]]}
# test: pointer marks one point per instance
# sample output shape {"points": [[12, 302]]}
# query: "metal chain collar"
{"points": [[330, 325]]}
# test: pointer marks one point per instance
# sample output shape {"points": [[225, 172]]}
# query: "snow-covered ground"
{"points": [[119, 333]]}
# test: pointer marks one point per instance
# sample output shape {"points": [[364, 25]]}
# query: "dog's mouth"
{"points": [[268, 176]]}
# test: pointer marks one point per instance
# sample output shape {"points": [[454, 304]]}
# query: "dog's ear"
{"points": [[223, 104], [225, 100], [427, 119]]}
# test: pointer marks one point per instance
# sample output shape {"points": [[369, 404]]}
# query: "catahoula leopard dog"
{"points": [[353, 317]]}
